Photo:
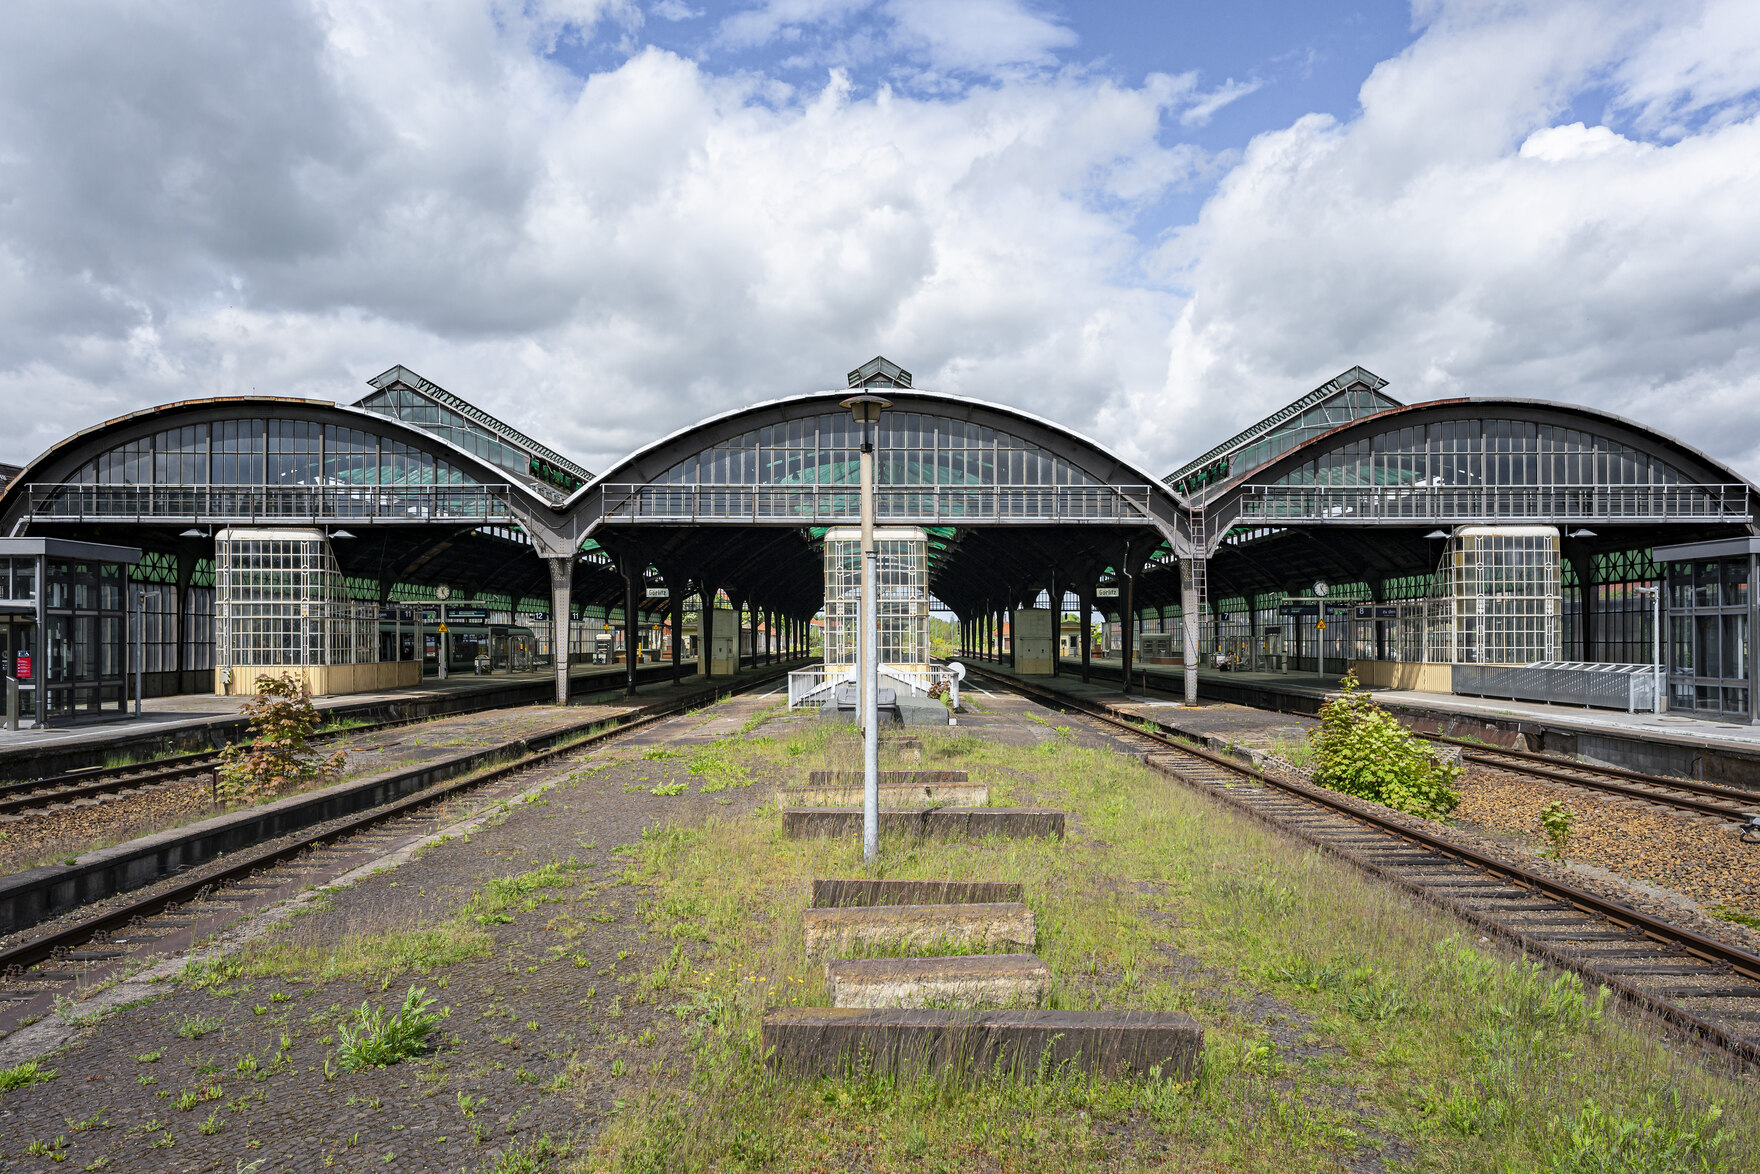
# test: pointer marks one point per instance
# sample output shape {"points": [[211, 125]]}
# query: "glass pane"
{"points": [[1735, 647], [1707, 643], [1735, 701], [1735, 582], [1705, 697], [1681, 638], [1706, 589]]}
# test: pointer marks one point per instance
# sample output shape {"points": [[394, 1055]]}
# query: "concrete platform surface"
{"points": [[999, 927], [891, 795], [1018, 1044], [956, 980], [1668, 744], [969, 822], [833, 892], [1165, 680]]}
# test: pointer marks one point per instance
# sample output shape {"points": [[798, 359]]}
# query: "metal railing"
{"points": [[1357, 505], [922, 504], [814, 684], [270, 503], [1631, 687]]}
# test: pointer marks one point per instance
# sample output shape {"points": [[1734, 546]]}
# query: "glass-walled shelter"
{"points": [[64, 627], [1709, 626], [281, 607], [902, 583]]}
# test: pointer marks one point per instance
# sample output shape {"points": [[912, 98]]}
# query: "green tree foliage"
{"points": [[1360, 749], [279, 757]]}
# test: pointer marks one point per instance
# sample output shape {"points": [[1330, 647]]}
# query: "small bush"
{"points": [[1360, 749], [373, 1041], [27, 1073], [279, 757], [1556, 820]]}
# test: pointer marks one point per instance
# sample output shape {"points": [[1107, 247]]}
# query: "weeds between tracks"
{"points": [[1344, 1021]]}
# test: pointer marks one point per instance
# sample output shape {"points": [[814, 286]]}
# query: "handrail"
{"points": [[269, 503], [1358, 504], [929, 504]]}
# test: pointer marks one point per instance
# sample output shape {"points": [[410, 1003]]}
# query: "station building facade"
{"points": [[1349, 527]]}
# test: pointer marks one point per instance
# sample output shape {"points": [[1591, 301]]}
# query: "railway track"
{"points": [[30, 795], [1688, 795], [1681, 794], [1708, 987], [33, 973]]}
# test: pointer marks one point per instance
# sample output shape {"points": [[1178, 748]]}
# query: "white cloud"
{"points": [[1203, 107], [676, 10], [598, 262], [1459, 238]]}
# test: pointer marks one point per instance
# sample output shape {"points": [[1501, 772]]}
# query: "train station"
{"points": [[1489, 546], [854, 736]]}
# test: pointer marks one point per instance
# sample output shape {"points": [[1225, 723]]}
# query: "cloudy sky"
{"points": [[1154, 221]]}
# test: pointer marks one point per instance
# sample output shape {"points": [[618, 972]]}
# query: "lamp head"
{"points": [[866, 408]]}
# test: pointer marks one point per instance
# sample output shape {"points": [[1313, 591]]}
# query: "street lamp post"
{"points": [[1654, 591], [866, 409]]}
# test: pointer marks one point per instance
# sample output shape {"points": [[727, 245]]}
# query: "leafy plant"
{"points": [[1362, 750], [374, 1041], [28, 1073], [1556, 820], [279, 757]]}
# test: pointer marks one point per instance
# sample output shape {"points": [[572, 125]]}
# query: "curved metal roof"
{"points": [[653, 459]]}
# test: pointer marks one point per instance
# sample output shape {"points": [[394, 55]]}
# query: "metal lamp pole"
{"points": [[866, 409], [1654, 591]]}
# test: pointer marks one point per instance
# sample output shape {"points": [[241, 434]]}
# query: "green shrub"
{"points": [[1556, 820], [373, 1041], [1362, 750]]}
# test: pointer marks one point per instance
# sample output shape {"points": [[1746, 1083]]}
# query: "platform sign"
{"points": [[1105, 593], [23, 666], [1298, 609], [1377, 612], [467, 615], [659, 593]]}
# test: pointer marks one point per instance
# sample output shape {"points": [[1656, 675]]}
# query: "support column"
{"points": [[705, 630], [561, 584], [1583, 564], [1254, 659], [1085, 605], [1128, 627], [1056, 624], [1188, 618], [675, 589], [632, 628]]}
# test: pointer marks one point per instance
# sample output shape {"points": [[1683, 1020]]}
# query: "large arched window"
{"points": [[1493, 452], [268, 452], [912, 448]]}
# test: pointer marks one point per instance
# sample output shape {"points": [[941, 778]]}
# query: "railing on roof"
{"points": [[922, 504], [1372, 504], [280, 504]]}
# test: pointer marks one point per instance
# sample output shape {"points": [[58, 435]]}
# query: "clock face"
{"points": [[1320, 587], [443, 593]]}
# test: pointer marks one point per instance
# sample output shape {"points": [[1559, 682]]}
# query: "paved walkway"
{"points": [[186, 710]]}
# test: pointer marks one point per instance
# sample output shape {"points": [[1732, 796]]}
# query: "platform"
{"points": [[1231, 702], [198, 721]]}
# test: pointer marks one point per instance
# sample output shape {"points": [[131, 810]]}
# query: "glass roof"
{"points": [[1349, 396]]}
